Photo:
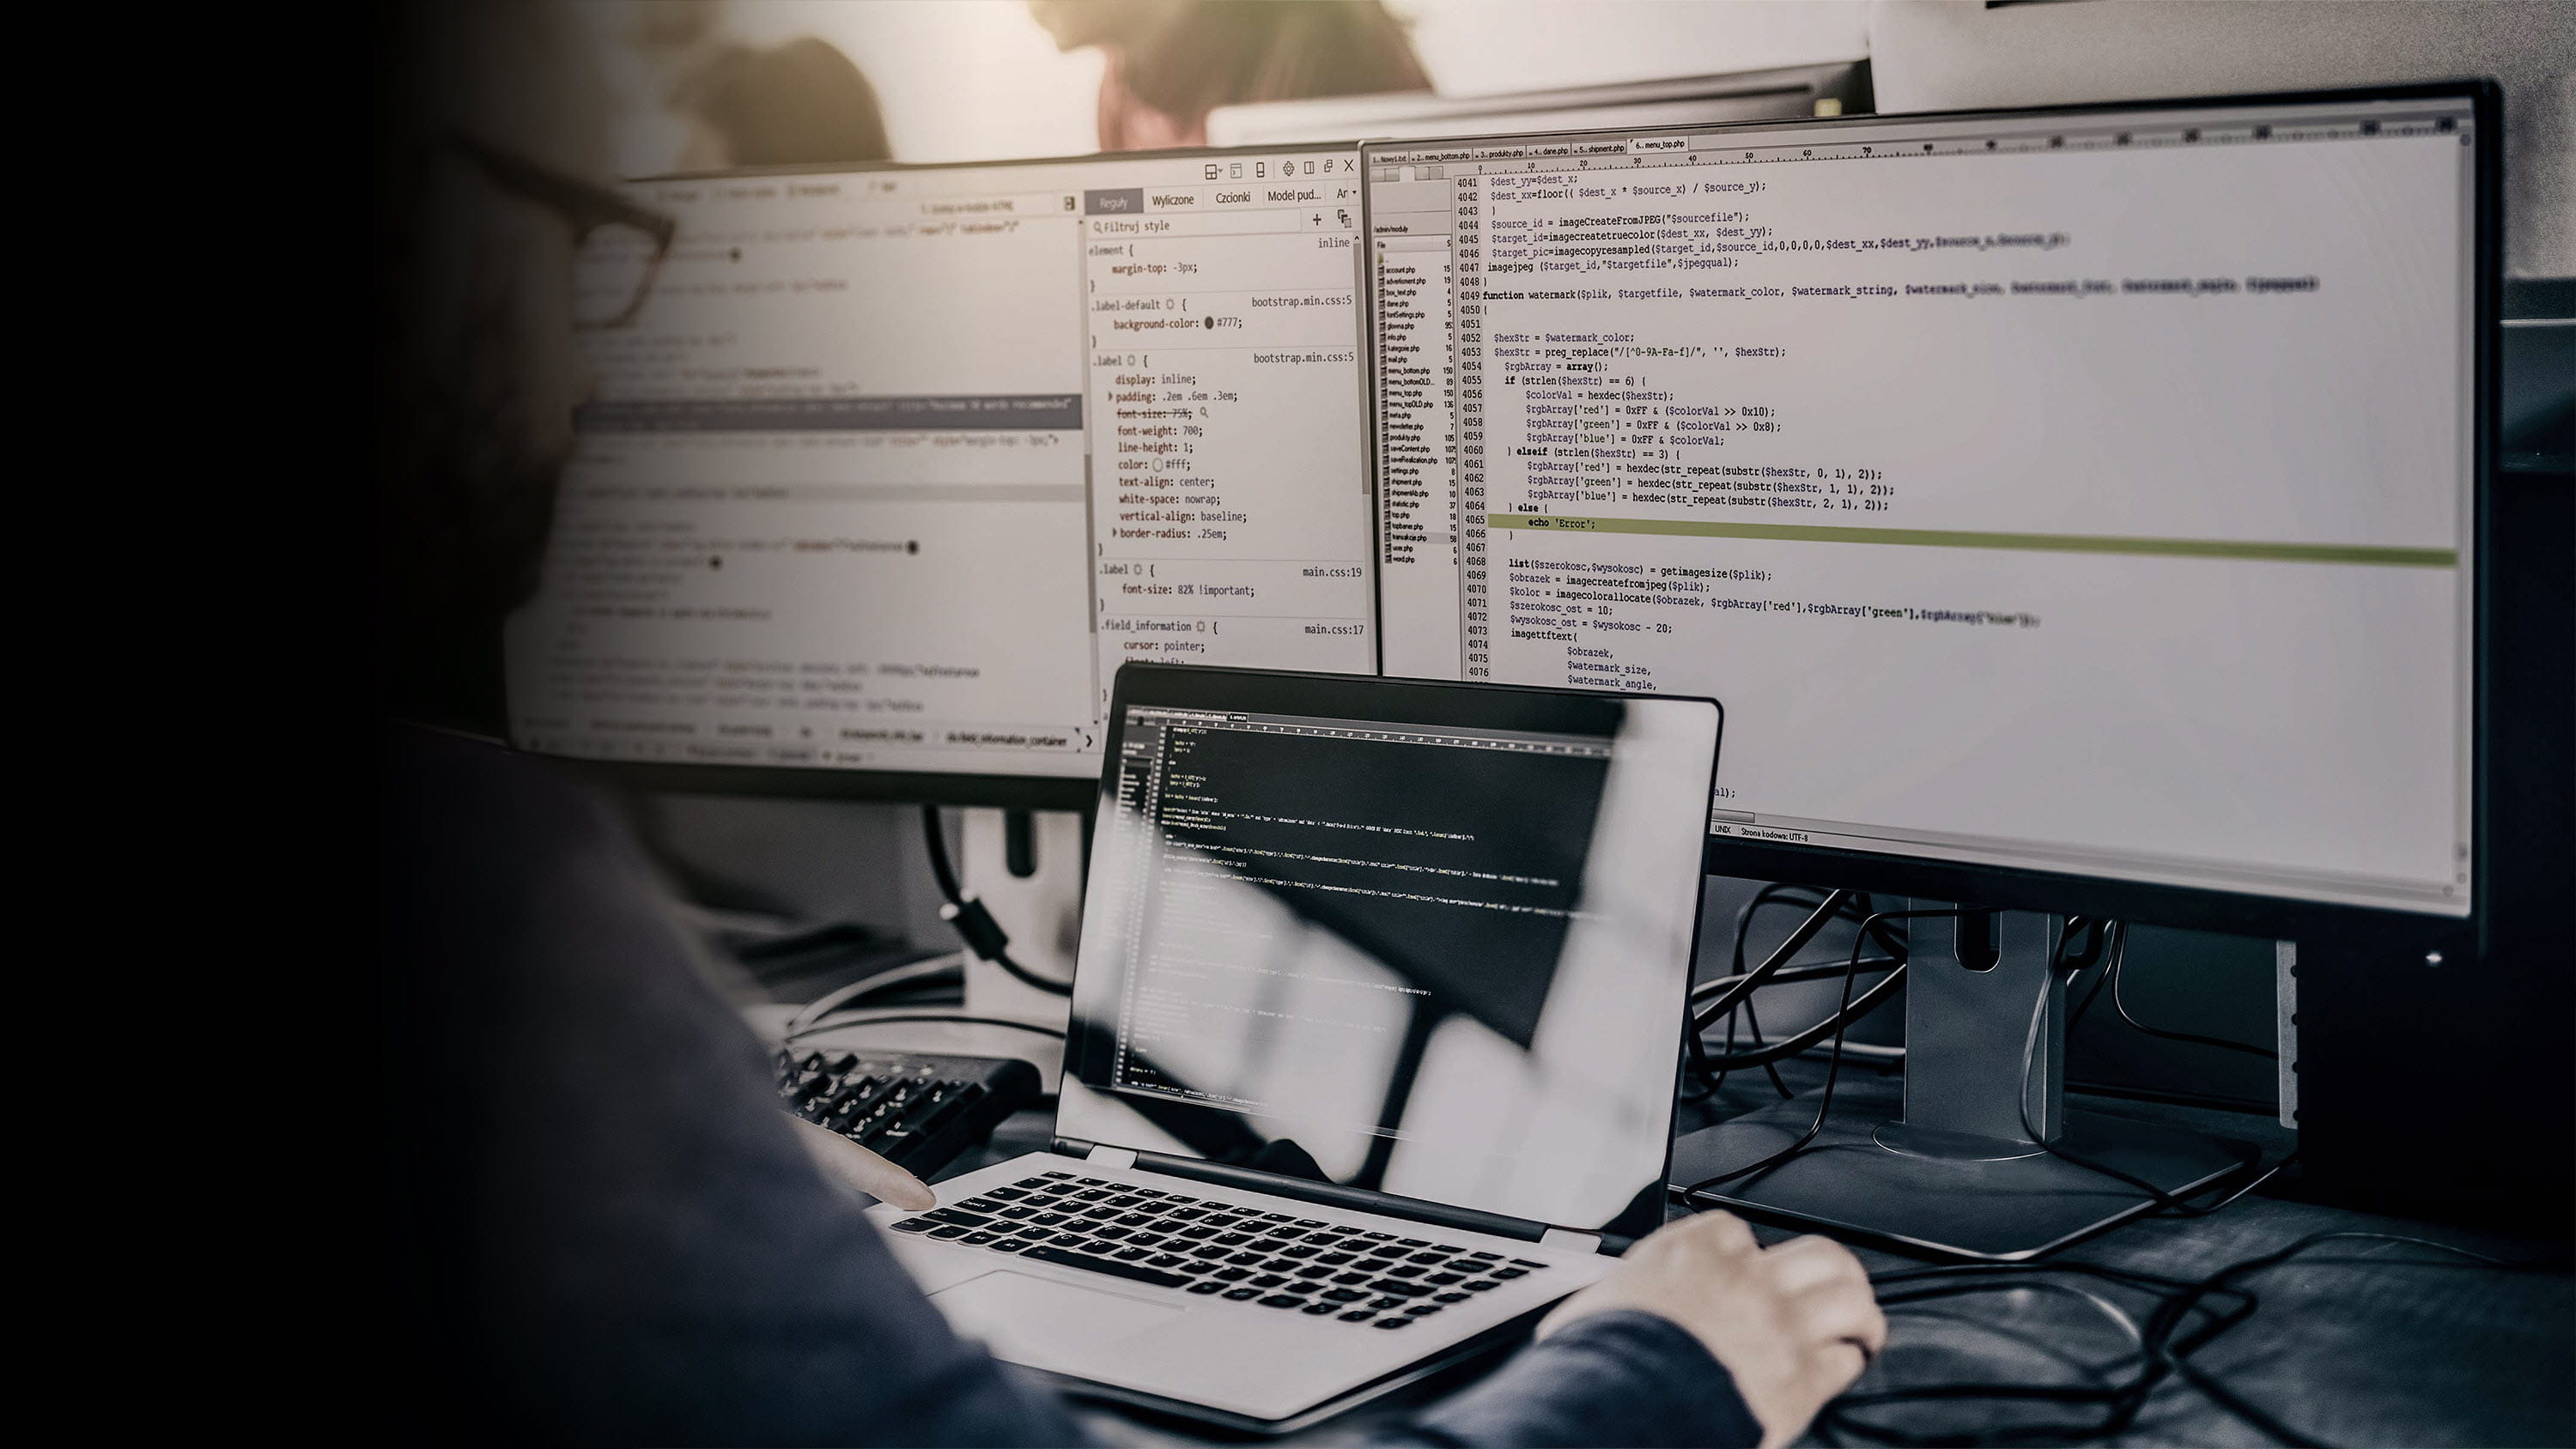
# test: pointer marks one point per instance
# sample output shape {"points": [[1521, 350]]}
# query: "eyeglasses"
{"points": [[619, 245]]}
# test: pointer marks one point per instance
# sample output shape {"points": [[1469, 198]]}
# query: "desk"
{"points": [[2348, 1353]]}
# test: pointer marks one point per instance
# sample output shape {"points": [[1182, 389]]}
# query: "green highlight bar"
{"points": [[2325, 553]]}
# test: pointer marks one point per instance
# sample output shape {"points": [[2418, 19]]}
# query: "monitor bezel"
{"points": [[1008, 791], [2202, 908]]}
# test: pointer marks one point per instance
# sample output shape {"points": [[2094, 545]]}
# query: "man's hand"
{"points": [[1794, 1324], [853, 1166]]}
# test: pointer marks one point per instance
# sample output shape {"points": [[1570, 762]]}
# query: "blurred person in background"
{"points": [[602, 1229], [798, 104], [1173, 61]]}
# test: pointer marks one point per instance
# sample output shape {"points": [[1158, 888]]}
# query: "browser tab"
{"points": [[1120, 201]]}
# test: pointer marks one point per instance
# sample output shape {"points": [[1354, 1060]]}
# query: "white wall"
{"points": [[1941, 54]]}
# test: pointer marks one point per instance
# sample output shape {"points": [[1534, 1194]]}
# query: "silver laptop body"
{"points": [[1373, 1044]]}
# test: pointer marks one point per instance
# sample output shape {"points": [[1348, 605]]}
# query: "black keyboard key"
{"points": [[1407, 1271], [1083, 1181], [1510, 1273], [1140, 1274], [980, 1205], [1010, 1245], [1053, 1176], [1451, 1297], [1210, 1253], [1395, 1323], [979, 1237], [1006, 1194], [1098, 1249], [1444, 1279], [1311, 1271], [1358, 1315], [1233, 1240], [1147, 1240], [1047, 1220], [1379, 1237], [913, 1225], [1123, 1200], [1487, 1257], [1100, 1214], [1240, 1294], [1344, 1295], [1111, 1234], [1322, 1308], [1134, 1220], [1526, 1263], [1422, 1310], [1400, 1288], [948, 1230], [1131, 1255], [1268, 1280], [841, 1063], [1411, 1243], [1209, 1285], [1479, 1285], [1277, 1218], [1346, 1279], [1166, 1260], [1232, 1275], [1382, 1304], [1428, 1258], [1244, 1260], [1095, 1194], [1282, 1300], [1310, 1223], [1334, 1260], [1301, 1251]]}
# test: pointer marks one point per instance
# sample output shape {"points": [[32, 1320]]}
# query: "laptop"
{"points": [[1374, 1040]]}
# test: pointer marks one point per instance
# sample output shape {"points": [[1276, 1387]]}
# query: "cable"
{"points": [[2122, 1007], [2165, 1344], [899, 977], [1821, 971], [1852, 1011], [1736, 991], [898, 1014], [1840, 1021], [1748, 980], [2167, 1203], [975, 925]]}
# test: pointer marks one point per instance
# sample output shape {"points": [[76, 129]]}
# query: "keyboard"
{"points": [[917, 1112], [1193, 1245]]}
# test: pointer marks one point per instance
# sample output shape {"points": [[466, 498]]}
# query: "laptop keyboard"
{"points": [[1193, 1245]]}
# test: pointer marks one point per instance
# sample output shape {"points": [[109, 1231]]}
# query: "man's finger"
{"points": [[1721, 1231], [854, 1166], [1809, 1262], [1845, 1315]]}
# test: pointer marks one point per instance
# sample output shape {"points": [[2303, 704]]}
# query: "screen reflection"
{"points": [[1436, 961]]}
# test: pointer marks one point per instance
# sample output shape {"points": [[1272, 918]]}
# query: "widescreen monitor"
{"points": [[892, 468], [2074, 509]]}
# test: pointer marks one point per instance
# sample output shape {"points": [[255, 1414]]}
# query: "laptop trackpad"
{"points": [[1030, 1319]]}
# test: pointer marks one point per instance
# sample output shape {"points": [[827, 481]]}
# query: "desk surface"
{"points": [[2354, 1345]]}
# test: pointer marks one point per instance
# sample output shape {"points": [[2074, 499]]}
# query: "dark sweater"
{"points": [[604, 1230]]}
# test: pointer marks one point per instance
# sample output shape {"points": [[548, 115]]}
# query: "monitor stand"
{"points": [[1947, 1166], [1027, 868]]}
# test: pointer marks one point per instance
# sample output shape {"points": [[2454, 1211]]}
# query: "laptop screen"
{"points": [[1437, 947]]}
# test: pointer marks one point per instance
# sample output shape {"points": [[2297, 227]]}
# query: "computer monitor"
{"points": [[2077, 510], [893, 467]]}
